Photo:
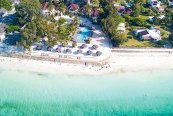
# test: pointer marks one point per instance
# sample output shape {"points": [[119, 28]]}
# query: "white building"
{"points": [[121, 27], [152, 18], [2, 31], [2, 36], [148, 34], [154, 3]]}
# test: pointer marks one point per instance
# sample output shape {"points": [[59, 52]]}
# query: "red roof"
{"points": [[95, 13], [45, 5], [128, 11], [120, 8], [73, 6]]}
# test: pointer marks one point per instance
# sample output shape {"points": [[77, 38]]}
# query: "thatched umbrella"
{"points": [[68, 51], [89, 52], [79, 51], [59, 50], [98, 53], [39, 47], [49, 48], [83, 46], [95, 47], [74, 44], [88, 41], [65, 44]]}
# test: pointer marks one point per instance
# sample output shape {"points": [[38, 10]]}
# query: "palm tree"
{"points": [[88, 9]]}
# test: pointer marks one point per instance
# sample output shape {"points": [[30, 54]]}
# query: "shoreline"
{"points": [[120, 62]]}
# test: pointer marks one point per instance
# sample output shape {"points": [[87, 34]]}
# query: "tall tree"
{"points": [[136, 9], [6, 4], [27, 10]]}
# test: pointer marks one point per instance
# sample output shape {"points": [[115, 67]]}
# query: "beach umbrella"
{"points": [[83, 46], [98, 53], [74, 44], [59, 50], [65, 44], [68, 51], [49, 48], [79, 51], [89, 52], [88, 41], [39, 47], [95, 47]]}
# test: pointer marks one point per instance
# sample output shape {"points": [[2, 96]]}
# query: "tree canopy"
{"points": [[6, 4], [27, 11], [110, 21], [35, 26]]}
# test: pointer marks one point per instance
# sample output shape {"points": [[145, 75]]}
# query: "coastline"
{"points": [[120, 62]]}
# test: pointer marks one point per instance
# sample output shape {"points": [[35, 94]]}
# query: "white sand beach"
{"points": [[145, 60]]}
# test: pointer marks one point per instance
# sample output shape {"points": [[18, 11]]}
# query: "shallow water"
{"points": [[122, 94]]}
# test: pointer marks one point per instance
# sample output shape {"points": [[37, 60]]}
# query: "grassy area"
{"points": [[136, 43], [164, 33], [144, 17]]}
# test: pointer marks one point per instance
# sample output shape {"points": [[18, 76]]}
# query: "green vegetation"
{"points": [[62, 20], [110, 21], [27, 11], [136, 43], [6, 4], [12, 28], [171, 39], [36, 26], [74, 44]]}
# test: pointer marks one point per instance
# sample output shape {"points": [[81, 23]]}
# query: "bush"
{"points": [[62, 20], [129, 36], [138, 21], [164, 27], [88, 41], [12, 28], [159, 43], [74, 44], [148, 26]]}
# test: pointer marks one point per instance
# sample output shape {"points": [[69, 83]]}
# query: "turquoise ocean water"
{"points": [[119, 94]]}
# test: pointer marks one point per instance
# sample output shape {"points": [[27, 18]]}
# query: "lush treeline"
{"points": [[110, 21], [36, 26]]}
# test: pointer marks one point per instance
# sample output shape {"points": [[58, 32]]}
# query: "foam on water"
{"points": [[128, 94]]}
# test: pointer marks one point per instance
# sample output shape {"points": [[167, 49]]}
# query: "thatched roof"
{"points": [[64, 44], [95, 46], [83, 46], [59, 50], [79, 51], [49, 48], [98, 53], [89, 52], [68, 51], [39, 47]]}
